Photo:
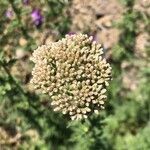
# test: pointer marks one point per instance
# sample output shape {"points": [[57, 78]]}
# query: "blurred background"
{"points": [[27, 121]]}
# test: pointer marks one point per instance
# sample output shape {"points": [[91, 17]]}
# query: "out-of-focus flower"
{"points": [[9, 13], [95, 18], [142, 6], [37, 17], [141, 43], [6, 139], [26, 2], [22, 41], [94, 37], [74, 74], [71, 33]]}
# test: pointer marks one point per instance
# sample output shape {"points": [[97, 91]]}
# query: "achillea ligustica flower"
{"points": [[74, 74]]}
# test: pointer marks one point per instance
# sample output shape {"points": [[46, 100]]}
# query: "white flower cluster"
{"points": [[73, 73]]}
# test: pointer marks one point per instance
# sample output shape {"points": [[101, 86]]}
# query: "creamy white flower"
{"points": [[74, 74]]}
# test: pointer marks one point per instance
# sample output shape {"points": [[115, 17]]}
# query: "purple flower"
{"points": [[94, 37], [37, 17], [26, 2], [71, 33], [9, 13]]}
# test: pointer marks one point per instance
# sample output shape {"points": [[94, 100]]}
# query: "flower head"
{"points": [[74, 74], [37, 17], [71, 33], [9, 13]]}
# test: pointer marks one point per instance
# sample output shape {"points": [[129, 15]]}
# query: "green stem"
{"points": [[19, 19], [13, 79]]}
